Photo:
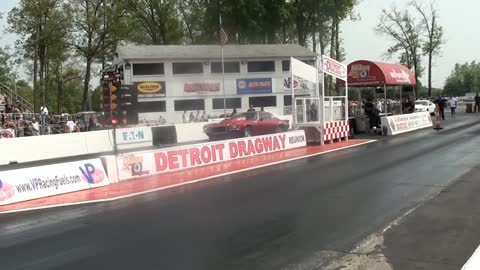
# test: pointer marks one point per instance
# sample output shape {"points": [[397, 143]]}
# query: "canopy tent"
{"points": [[364, 73]]}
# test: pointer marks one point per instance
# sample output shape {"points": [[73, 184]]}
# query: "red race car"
{"points": [[246, 125]]}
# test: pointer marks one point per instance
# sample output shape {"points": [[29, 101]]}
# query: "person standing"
{"points": [[44, 115], [477, 103], [35, 127], [70, 125], [440, 101], [185, 117], [452, 103]]}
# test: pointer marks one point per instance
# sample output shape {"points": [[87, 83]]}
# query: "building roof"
{"points": [[212, 51]]}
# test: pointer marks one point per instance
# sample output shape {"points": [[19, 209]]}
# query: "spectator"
{"points": [[198, 118], [251, 109], [91, 122], [234, 112], [440, 101], [477, 103], [262, 109], [184, 117], [77, 127], [44, 115], [70, 125], [191, 117], [8, 106], [204, 117], [35, 127], [452, 103]]}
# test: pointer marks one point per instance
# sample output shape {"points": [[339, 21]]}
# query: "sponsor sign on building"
{"points": [[201, 87], [38, 182], [150, 89], [254, 86], [299, 85], [398, 124], [139, 164]]}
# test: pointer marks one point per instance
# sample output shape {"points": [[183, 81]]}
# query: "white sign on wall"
{"points": [[398, 124], [43, 181], [134, 165], [134, 135]]}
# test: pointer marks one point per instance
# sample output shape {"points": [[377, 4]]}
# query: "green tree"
{"points": [[154, 22], [407, 34], [97, 30], [434, 36], [464, 78]]}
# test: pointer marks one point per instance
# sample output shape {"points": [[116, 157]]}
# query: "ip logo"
{"points": [[6, 191], [90, 174]]}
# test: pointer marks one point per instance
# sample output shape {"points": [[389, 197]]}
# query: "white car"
{"points": [[425, 106]]}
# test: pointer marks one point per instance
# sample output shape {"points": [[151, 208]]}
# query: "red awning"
{"points": [[364, 73]]}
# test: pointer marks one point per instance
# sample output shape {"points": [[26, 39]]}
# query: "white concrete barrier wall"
{"points": [[44, 181], [27, 149], [145, 163], [191, 132]]}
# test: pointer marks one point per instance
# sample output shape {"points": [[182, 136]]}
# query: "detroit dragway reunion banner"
{"points": [[133, 165]]}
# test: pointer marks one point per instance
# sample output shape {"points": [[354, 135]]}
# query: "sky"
{"points": [[459, 19]]}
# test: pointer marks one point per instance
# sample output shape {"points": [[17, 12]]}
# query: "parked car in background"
{"points": [[83, 118], [425, 106], [246, 125]]}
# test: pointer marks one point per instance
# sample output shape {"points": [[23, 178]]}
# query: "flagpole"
{"points": [[223, 77]]}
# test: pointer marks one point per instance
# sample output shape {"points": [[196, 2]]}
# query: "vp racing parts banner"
{"points": [[44, 181]]}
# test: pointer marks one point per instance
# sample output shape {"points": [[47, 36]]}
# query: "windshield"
{"points": [[424, 103]]}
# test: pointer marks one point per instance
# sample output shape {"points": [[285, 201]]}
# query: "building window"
{"points": [[188, 68], [148, 69], [261, 66], [265, 101], [286, 64], [229, 67], [287, 99], [189, 105], [151, 106], [231, 103]]}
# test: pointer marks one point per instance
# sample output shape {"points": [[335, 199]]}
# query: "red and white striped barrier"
{"points": [[336, 130]]}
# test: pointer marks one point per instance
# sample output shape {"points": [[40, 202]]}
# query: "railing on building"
{"points": [[12, 95]]}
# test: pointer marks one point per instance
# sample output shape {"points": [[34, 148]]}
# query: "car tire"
{"points": [[280, 129], [247, 132]]}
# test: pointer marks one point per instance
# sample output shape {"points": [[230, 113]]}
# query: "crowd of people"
{"points": [[191, 118]]}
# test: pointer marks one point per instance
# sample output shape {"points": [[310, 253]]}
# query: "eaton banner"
{"points": [[254, 86], [44, 181], [141, 164]]}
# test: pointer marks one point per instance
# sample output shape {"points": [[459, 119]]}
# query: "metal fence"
{"points": [[30, 124]]}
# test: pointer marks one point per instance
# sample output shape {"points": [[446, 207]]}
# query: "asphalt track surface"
{"points": [[278, 217]]}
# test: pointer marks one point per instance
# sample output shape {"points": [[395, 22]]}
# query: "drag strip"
{"points": [[276, 217]]}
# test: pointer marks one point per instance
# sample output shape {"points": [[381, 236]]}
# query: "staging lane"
{"points": [[264, 219]]}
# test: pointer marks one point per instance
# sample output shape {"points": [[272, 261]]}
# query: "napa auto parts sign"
{"points": [[44, 181], [140, 164], [150, 89], [334, 68]]}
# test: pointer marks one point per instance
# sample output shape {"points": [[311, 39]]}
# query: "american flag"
{"points": [[223, 36]]}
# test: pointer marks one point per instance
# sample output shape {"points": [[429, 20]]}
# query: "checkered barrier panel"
{"points": [[336, 130]]}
